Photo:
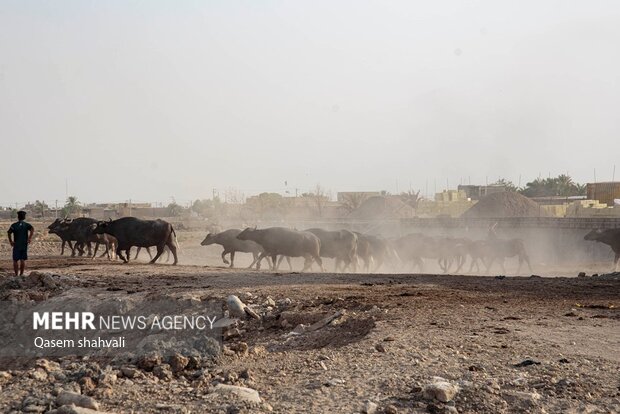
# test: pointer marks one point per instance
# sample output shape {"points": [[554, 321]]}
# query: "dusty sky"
{"points": [[156, 99]]}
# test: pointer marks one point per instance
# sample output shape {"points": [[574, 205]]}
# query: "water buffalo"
{"points": [[61, 231], [412, 248], [77, 230], [374, 250], [610, 237], [496, 249], [131, 231], [231, 244], [282, 241], [340, 245]]}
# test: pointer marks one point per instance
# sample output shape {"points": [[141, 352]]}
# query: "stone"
{"points": [[87, 385], [526, 363], [380, 348], [178, 362], [149, 361], [47, 365], [390, 409], [238, 309], [71, 398], [163, 372], [240, 348], [72, 409], [130, 372], [34, 409], [39, 374], [440, 390], [521, 400], [369, 407], [241, 393]]}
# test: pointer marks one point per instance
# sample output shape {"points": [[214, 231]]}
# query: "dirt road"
{"points": [[522, 344]]}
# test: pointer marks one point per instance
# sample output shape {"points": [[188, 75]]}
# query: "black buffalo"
{"points": [[610, 237], [131, 231], [74, 230], [61, 231], [231, 244], [340, 245], [286, 242]]}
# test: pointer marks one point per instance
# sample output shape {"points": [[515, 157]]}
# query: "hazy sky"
{"points": [[152, 99]]}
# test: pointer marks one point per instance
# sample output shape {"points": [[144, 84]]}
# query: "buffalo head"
{"points": [[59, 225], [100, 227], [208, 240], [593, 235], [52, 227]]}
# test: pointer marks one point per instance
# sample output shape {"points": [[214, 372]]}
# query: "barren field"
{"points": [[513, 344]]}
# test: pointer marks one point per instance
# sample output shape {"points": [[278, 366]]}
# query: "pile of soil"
{"points": [[505, 204], [383, 207]]}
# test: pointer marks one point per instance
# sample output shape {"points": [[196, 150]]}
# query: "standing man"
{"points": [[20, 235]]}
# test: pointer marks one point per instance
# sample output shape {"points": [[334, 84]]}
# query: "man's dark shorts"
{"points": [[20, 254]]}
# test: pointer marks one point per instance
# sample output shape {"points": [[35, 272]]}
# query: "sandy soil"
{"points": [[397, 333]]}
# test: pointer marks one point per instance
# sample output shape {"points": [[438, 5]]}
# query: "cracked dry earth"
{"points": [[498, 345]]}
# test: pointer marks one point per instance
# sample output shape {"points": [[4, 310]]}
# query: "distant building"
{"points": [[604, 192], [476, 192]]}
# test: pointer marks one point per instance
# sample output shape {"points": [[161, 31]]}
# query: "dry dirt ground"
{"points": [[396, 334]]}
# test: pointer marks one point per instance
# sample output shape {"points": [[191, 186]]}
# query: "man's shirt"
{"points": [[20, 234]]}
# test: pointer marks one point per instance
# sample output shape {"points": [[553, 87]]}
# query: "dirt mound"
{"points": [[383, 207], [505, 204]]}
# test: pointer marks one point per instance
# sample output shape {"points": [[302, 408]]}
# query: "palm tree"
{"points": [[40, 207], [71, 206]]}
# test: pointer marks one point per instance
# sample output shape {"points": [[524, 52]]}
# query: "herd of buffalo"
{"points": [[350, 250]]}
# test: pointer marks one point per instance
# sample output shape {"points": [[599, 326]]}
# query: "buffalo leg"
{"points": [[256, 256], [232, 259], [527, 260], [160, 251], [276, 263], [107, 249], [95, 252], [89, 248], [337, 264], [224, 253], [319, 262], [307, 262], [260, 259], [172, 247], [119, 253]]}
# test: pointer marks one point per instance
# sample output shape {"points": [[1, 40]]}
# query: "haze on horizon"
{"points": [[152, 100]]}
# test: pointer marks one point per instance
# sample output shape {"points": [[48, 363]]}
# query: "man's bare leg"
{"points": [[15, 267], [22, 266]]}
